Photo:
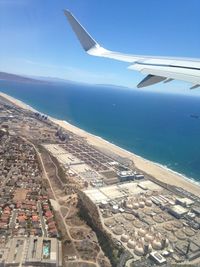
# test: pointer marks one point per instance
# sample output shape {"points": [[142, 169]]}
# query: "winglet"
{"points": [[85, 39]]}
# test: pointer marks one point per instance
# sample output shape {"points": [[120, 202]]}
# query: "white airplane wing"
{"points": [[157, 69]]}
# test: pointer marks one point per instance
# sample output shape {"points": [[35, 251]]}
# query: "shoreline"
{"points": [[190, 179], [158, 171]]}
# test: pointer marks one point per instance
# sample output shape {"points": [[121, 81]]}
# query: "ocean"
{"points": [[158, 127]]}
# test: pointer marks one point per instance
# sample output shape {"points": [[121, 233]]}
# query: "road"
{"points": [[44, 230], [13, 219]]}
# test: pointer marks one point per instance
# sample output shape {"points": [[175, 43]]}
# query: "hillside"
{"points": [[18, 78]]}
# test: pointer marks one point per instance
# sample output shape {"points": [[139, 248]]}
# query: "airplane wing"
{"points": [[157, 69]]}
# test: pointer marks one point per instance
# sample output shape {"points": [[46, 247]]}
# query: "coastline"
{"points": [[156, 170]]}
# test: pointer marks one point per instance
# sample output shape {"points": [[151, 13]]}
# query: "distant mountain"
{"points": [[34, 79], [18, 78], [40, 79], [55, 79]]}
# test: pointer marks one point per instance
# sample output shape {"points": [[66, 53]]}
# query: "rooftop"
{"points": [[113, 192]]}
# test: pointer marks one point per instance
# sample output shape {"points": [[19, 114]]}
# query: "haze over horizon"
{"points": [[39, 42]]}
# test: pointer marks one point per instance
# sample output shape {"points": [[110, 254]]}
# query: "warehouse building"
{"points": [[177, 211], [33, 251]]}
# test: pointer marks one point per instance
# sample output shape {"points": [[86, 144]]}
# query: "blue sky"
{"points": [[37, 40]]}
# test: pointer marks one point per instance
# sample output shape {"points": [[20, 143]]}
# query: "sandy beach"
{"points": [[151, 168]]}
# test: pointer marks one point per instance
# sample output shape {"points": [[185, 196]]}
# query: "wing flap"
{"points": [[176, 73]]}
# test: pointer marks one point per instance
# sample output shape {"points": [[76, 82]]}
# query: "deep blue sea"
{"points": [[157, 127]]}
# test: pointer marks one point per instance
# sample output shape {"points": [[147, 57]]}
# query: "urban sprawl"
{"points": [[65, 202]]}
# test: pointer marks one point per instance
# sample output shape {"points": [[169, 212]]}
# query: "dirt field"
{"points": [[79, 234], [20, 194], [87, 250], [75, 221], [68, 249], [64, 211]]}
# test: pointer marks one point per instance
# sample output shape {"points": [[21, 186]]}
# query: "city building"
{"points": [[33, 251]]}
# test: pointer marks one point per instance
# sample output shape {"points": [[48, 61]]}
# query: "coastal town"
{"points": [[66, 200]]}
